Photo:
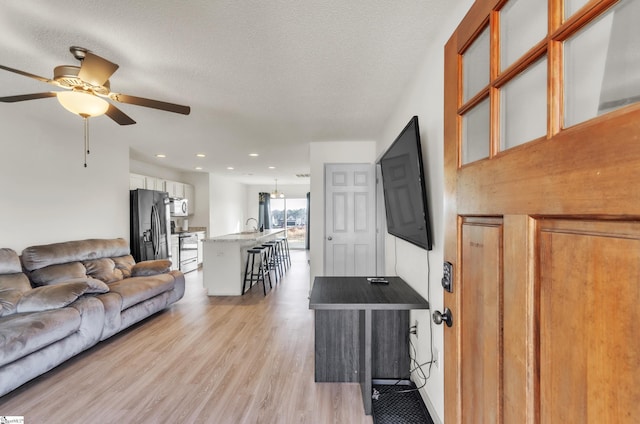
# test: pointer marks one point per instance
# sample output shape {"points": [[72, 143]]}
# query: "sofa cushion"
{"points": [[36, 257], [57, 296], [153, 267], [9, 301], [137, 289], [104, 269], [9, 261], [12, 286], [54, 274], [17, 281], [12, 281], [124, 264], [23, 334]]}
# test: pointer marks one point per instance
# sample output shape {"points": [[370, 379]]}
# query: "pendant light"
{"points": [[277, 194]]}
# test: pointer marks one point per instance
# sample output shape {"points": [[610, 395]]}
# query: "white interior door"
{"points": [[350, 219]]}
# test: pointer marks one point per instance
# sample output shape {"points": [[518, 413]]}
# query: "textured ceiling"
{"points": [[264, 77]]}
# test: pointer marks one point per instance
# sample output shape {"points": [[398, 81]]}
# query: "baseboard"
{"points": [[432, 410]]}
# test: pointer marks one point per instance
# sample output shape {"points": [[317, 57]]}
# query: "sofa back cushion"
{"points": [[103, 269], [59, 262], [54, 274], [125, 264], [36, 257], [13, 283], [9, 261]]}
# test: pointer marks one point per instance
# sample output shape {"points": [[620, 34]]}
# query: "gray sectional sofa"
{"points": [[60, 299]]}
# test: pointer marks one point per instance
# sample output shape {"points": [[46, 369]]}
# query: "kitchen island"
{"points": [[225, 258]]}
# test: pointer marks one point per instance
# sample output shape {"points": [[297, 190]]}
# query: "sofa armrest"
{"points": [[58, 296], [152, 267]]}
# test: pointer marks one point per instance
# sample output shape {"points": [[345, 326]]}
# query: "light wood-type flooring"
{"points": [[244, 359]]}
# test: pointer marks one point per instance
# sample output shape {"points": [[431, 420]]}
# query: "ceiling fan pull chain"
{"points": [[86, 138]]}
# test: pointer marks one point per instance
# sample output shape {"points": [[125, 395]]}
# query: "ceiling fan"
{"points": [[87, 88]]}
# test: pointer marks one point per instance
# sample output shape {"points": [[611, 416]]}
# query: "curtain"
{"points": [[264, 210]]}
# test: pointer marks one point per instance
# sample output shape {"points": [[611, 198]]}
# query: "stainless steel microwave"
{"points": [[179, 207]]}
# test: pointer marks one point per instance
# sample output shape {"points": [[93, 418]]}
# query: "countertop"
{"points": [[357, 293], [245, 236], [191, 230]]}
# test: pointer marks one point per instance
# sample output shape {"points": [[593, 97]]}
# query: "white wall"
{"points": [[200, 182], [47, 194], [321, 153], [423, 271], [227, 206]]}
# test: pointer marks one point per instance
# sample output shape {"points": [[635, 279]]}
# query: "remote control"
{"points": [[378, 280]]}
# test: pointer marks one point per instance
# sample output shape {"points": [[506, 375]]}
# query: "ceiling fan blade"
{"points": [[119, 116], [27, 74], [23, 97], [156, 104], [95, 69]]}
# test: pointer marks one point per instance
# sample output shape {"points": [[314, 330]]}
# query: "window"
{"points": [[291, 214]]}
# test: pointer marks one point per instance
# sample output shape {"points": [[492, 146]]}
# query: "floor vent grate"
{"points": [[398, 404]]}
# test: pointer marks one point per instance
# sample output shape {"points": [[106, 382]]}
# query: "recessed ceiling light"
{"points": [[272, 167], [198, 168], [254, 155], [161, 155], [230, 168], [201, 155]]}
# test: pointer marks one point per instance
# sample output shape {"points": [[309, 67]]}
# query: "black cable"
{"points": [[413, 330]]}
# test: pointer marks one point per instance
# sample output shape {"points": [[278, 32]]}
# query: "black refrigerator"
{"points": [[150, 228]]}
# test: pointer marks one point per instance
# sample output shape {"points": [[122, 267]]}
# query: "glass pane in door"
{"points": [[291, 214], [572, 6], [523, 24], [523, 107], [475, 133], [602, 64], [296, 222], [475, 66]]}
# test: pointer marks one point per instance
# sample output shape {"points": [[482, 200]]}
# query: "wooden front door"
{"points": [[544, 231]]}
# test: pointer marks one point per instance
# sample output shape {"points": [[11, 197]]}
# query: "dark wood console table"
{"points": [[362, 330]]}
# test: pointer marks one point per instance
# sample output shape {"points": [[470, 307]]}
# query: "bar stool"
{"points": [[252, 275], [273, 261], [284, 242]]}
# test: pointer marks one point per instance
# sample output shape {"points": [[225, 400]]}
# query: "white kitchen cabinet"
{"points": [[136, 181], [174, 188], [175, 252], [189, 194], [153, 183], [201, 236]]}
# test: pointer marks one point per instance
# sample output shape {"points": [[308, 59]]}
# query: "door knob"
{"points": [[329, 238], [446, 317]]}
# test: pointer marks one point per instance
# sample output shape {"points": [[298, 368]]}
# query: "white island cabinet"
{"points": [[225, 258]]}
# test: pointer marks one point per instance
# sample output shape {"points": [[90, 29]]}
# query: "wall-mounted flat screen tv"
{"points": [[405, 196]]}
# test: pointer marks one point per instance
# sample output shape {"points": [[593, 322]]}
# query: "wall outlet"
{"points": [[415, 328]]}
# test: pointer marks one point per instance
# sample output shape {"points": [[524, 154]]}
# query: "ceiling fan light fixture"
{"points": [[83, 104]]}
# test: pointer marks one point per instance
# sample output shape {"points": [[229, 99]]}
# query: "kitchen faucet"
{"points": [[254, 228]]}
